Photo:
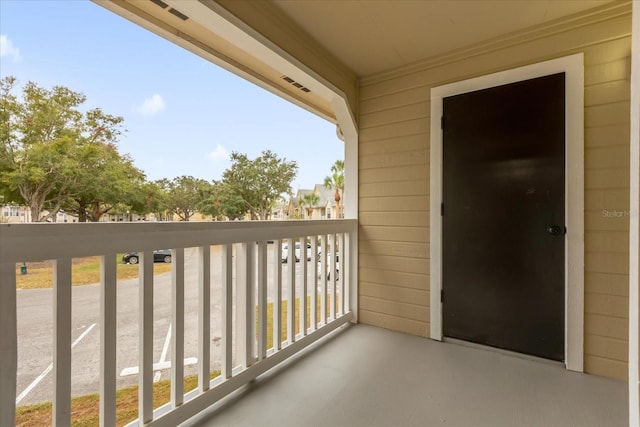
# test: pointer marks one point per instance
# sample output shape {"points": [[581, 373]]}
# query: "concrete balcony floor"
{"points": [[368, 376]]}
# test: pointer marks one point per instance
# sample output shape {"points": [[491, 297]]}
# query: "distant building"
{"points": [[14, 214], [326, 207]]}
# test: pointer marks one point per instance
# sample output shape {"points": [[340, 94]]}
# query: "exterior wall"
{"points": [[394, 177], [634, 226]]}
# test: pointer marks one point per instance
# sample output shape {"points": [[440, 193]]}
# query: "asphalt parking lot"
{"points": [[35, 329]]}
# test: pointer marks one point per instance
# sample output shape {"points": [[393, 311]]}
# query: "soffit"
{"points": [[205, 43], [370, 37]]}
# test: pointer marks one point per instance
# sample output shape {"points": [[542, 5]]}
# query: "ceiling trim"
{"points": [[603, 13]]}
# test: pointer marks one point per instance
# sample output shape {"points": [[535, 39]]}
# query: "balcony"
{"points": [[368, 376], [355, 375], [238, 264]]}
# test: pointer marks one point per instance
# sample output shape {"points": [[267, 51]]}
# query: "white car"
{"points": [[329, 266], [285, 252]]}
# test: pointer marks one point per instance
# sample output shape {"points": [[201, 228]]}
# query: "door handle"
{"points": [[556, 230]]}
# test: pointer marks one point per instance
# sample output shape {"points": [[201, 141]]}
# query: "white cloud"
{"points": [[151, 105], [8, 49], [219, 154]]}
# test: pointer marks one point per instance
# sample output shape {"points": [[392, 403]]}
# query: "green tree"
{"points": [[259, 182], [336, 182], [43, 137], [309, 200], [105, 178], [183, 195], [150, 197], [221, 201]]}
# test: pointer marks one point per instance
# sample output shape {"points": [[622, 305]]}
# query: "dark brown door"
{"points": [[503, 216]]}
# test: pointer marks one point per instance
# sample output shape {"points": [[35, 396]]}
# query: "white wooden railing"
{"points": [[247, 240]]}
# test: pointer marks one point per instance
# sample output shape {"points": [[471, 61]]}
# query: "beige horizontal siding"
{"points": [[394, 159], [399, 188], [606, 305], [393, 145], [612, 178], [606, 326], [607, 136], [607, 114], [395, 100], [392, 293], [418, 110], [396, 323], [598, 221], [606, 262], [610, 347], [382, 204], [608, 241], [607, 92], [400, 234], [394, 183], [394, 263], [400, 279], [606, 366], [397, 309], [397, 249], [607, 284], [395, 130], [616, 157], [392, 174], [399, 219]]}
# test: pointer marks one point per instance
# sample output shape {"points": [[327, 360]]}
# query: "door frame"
{"points": [[573, 67]]}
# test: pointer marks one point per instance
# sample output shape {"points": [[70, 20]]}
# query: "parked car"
{"points": [[329, 266], [285, 252], [159, 255]]}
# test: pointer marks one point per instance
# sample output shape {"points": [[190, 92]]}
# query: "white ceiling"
{"points": [[397, 28]]}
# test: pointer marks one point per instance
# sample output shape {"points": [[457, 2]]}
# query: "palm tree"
{"points": [[336, 183], [310, 201]]}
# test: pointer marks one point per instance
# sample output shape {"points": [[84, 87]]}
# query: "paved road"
{"points": [[35, 314]]}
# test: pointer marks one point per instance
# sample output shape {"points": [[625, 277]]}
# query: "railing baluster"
{"points": [[332, 275], [277, 298], [262, 300], [8, 343], [250, 305], [245, 303], [62, 342], [323, 281], [313, 324], [345, 264], [303, 293], [204, 317], [145, 340], [291, 288], [341, 275], [108, 304], [177, 320], [227, 311]]}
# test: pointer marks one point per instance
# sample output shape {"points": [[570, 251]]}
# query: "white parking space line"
{"points": [[133, 370], [50, 367], [162, 364], [163, 355]]}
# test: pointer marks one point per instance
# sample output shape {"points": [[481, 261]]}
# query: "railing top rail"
{"points": [[42, 241]]}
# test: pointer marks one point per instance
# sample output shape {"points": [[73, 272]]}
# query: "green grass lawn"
{"points": [[85, 410], [84, 271]]}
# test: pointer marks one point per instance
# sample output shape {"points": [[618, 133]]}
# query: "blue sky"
{"points": [[183, 114]]}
